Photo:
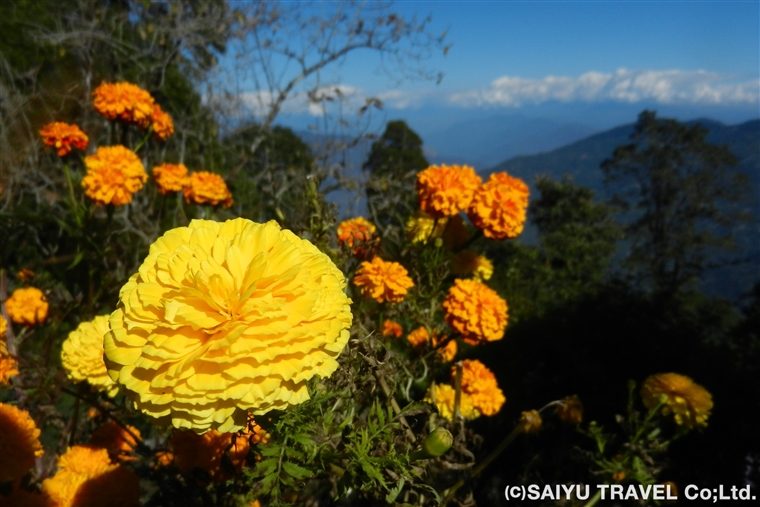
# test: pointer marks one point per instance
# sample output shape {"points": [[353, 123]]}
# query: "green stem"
{"points": [[494, 454], [655, 410], [144, 139], [74, 205], [594, 499]]}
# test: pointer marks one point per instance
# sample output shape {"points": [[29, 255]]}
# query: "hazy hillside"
{"points": [[582, 160]]}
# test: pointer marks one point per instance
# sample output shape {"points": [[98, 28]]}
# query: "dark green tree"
{"points": [[680, 194], [394, 160], [577, 239], [397, 152], [268, 170]]}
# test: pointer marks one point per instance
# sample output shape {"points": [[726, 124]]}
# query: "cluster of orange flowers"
{"points": [[198, 188], [420, 337], [129, 103], [479, 395], [497, 208], [64, 137]]}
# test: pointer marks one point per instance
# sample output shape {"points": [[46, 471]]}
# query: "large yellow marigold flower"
{"points": [[689, 403], [27, 306], [469, 262], [383, 281], [207, 452], [120, 442], [64, 137], [207, 188], [476, 311], [114, 174], [125, 102], [480, 383], [163, 126], [498, 208], [223, 318], [446, 190], [443, 397], [170, 177], [86, 478], [19, 443], [82, 355]]}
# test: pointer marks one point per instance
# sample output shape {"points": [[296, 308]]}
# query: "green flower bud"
{"points": [[435, 444]]}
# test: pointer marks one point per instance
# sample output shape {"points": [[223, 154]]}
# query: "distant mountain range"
{"points": [[582, 160]]}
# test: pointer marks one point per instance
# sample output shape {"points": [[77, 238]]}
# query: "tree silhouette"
{"points": [[680, 192], [393, 162]]}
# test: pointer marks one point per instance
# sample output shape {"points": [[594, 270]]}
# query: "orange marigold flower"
{"points": [[164, 458], [114, 174], [418, 337], [690, 403], [24, 275], [476, 311], [447, 353], [531, 421], [207, 452], [469, 262], [27, 306], [383, 281], [446, 190], [498, 208], [480, 383], [443, 397], [570, 410], [19, 443], [125, 102], [207, 188], [391, 328], [8, 365], [86, 478], [355, 231], [64, 137], [163, 126], [119, 442], [170, 177]]}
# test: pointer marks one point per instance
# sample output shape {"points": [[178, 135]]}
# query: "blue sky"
{"points": [[689, 59], [536, 39]]}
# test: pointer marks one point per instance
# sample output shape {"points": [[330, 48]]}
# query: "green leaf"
{"points": [[391, 496], [296, 471]]}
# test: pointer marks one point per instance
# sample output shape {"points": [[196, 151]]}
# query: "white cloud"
{"points": [[666, 87]]}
